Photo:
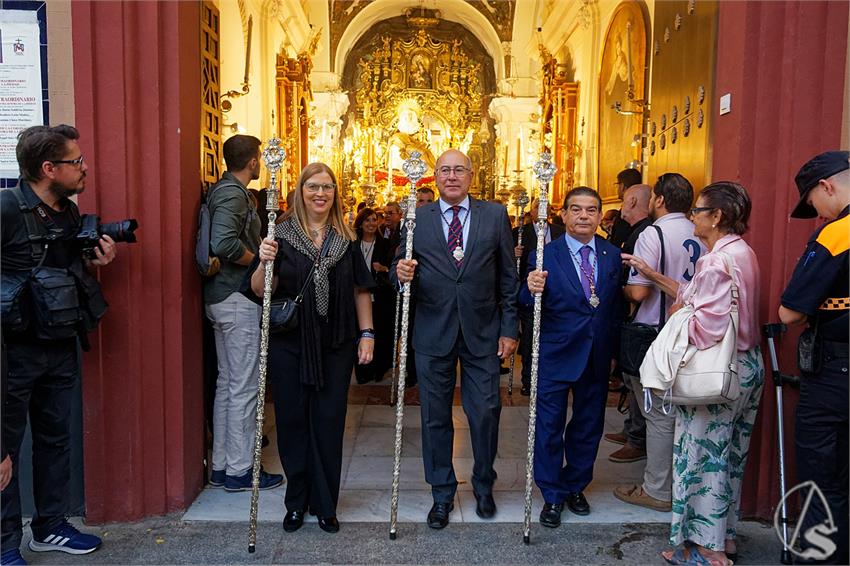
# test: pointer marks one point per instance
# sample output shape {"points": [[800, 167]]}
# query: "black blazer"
{"points": [[480, 298], [383, 254], [529, 243]]}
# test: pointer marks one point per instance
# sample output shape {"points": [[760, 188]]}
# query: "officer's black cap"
{"points": [[820, 167]]}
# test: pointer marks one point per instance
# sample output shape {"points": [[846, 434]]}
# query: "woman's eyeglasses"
{"points": [[697, 209], [316, 187]]}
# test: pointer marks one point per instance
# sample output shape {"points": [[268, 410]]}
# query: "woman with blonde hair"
{"points": [[310, 367]]}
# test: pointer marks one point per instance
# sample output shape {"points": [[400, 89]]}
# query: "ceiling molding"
{"points": [[456, 11]]}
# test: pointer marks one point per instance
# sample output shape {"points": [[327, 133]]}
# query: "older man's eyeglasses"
{"points": [[458, 170], [78, 162], [316, 187]]}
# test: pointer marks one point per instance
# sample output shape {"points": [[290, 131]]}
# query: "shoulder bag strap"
{"points": [[36, 235], [662, 315], [730, 268]]}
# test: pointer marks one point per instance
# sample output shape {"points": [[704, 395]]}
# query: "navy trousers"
{"points": [[576, 441], [822, 450]]}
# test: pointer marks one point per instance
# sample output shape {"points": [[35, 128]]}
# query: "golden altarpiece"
{"points": [[410, 90]]}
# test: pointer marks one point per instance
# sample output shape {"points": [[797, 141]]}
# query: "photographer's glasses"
{"points": [[78, 162], [316, 187]]}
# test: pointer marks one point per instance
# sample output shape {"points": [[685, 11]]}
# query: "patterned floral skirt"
{"points": [[710, 449]]}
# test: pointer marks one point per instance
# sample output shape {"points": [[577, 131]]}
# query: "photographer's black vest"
{"points": [[66, 300]]}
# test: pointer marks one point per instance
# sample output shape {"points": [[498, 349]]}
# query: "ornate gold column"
{"points": [[210, 95], [559, 101], [293, 102]]}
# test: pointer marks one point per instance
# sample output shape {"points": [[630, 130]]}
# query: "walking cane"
{"points": [[273, 157], [394, 378], [544, 170], [520, 201], [414, 168], [772, 331]]}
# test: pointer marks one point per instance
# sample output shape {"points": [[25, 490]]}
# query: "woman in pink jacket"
{"points": [[711, 442]]}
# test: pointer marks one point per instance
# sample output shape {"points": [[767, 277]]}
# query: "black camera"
{"points": [[91, 230]]}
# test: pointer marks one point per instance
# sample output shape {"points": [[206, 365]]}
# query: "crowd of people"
{"points": [[471, 309]]}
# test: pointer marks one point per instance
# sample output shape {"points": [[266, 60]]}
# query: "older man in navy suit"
{"points": [[466, 287], [582, 309]]}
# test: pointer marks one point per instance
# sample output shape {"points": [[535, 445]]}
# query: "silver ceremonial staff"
{"points": [[403, 206], [273, 157], [414, 168], [520, 201], [544, 170], [395, 348]]}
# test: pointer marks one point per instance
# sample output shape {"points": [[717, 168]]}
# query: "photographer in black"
{"points": [[49, 301]]}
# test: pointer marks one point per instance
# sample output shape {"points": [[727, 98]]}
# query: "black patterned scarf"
{"points": [[291, 231]]}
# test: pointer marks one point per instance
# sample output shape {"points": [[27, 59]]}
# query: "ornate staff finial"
{"points": [[544, 169], [521, 200], [414, 167], [274, 155]]}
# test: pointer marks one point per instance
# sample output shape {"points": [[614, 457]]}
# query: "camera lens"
{"points": [[122, 231]]}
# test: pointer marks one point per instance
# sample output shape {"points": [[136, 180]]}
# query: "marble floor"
{"points": [[368, 464]]}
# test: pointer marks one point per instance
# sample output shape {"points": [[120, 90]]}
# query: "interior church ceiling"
{"points": [[500, 14]]}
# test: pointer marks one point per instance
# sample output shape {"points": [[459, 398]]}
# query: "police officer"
{"points": [[818, 295], [40, 250]]}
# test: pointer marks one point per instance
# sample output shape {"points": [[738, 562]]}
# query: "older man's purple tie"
{"points": [[586, 270], [455, 239]]}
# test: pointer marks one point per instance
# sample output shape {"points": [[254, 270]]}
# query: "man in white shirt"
{"points": [[670, 202]]}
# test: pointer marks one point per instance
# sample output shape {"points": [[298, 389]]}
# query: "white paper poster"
{"points": [[20, 83]]}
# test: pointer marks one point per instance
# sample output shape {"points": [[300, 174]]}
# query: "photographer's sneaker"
{"points": [[65, 538], [12, 557], [243, 482]]}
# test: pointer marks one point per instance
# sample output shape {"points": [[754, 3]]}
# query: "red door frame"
{"points": [[137, 97]]}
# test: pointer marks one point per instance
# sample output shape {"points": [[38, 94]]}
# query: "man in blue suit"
{"points": [[582, 310]]}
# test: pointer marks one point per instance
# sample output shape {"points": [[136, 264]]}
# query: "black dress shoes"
{"points": [[525, 391], [293, 521], [550, 516], [485, 506], [329, 524], [438, 516], [577, 503]]}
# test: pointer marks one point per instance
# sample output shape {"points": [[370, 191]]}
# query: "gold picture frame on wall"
{"points": [[419, 73], [622, 83]]}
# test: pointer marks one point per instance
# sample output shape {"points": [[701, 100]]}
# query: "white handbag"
{"points": [[684, 375]]}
